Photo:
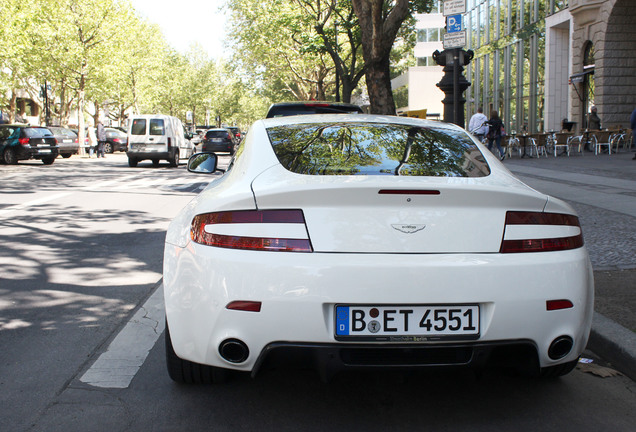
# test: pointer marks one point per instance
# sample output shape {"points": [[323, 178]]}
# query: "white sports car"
{"points": [[358, 241]]}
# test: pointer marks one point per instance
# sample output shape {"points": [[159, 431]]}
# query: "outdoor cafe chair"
{"points": [[602, 139]]}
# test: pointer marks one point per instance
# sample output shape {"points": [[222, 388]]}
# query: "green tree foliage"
{"points": [[277, 47], [17, 20]]}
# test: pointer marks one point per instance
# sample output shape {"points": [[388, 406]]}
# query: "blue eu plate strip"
{"points": [[342, 321]]}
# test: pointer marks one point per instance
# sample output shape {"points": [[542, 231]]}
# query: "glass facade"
{"points": [[508, 71]]}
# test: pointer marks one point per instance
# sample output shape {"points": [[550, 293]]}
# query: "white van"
{"points": [[157, 137]]}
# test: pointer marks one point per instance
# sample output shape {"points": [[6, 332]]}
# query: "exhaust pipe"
{"points": [[560, 347], [234, 350]]}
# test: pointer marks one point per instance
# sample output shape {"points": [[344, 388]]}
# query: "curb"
{"points": [[614, 343]]}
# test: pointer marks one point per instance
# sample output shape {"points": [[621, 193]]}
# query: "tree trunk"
{"points": [[379, 29], [12, 105], [81, 102], [379, 88]]}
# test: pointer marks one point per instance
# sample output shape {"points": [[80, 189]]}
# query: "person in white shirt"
{"points": [[92, 141], [477, 124]]}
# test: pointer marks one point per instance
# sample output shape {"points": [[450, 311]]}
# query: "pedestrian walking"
{"points": [[101, 139], [632, 121], [477, 124], [92, 141], [495, 128]]}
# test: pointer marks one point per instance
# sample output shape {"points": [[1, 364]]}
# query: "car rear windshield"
{"points": [[138, 127], [37, 132], [376, 149], [216, 134]]}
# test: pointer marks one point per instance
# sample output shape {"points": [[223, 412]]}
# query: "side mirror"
{"points": [[203, 163]]}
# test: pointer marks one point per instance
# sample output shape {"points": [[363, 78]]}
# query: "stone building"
{"points": [[539, 62], [607, 29]]}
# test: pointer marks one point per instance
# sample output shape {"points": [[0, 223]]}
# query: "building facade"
{"points": [[539, 62], [415, 90]]}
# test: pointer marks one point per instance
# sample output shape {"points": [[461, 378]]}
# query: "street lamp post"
{"points": [[453, 83]]}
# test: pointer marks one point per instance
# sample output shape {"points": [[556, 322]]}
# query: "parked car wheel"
{"points": [[132, 162], [48, 160], [187, 372], [174, 161], [108, 147], [10, 157], [67, 155]]}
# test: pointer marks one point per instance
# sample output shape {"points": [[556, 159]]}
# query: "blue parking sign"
{"points": [[453, 23]]}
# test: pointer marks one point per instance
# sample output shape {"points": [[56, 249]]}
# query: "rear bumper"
{"points": [[299, 292], [37, 152], [142, 155], [217, 147], [68, 148], [329, 359]]}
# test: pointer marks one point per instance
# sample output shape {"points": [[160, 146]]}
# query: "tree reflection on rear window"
{"points": [[376, 149]]}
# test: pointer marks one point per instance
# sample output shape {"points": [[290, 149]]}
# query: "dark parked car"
{"points": [[116, 140], [236, 132], [22, 142], [218, 140], [66, 141], [283, 109]]}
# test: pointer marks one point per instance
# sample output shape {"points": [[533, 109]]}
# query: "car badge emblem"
{"points": [[408, 228]]}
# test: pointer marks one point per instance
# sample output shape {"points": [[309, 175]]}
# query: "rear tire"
{"points": [[558, 370], [187, 372], [48, 160], [132, 162], [9, 156], [174, 160], [108, 148], [67, 155]]}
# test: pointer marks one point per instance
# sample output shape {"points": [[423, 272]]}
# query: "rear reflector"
{"points": [[247, 306], [232, 233], [540, 232], [558, 304]]}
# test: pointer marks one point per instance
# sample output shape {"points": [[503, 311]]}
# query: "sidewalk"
{"points": [[613, 334], [603, 190]]}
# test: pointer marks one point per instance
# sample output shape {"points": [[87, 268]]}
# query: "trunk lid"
{"points": [[375, 214]]}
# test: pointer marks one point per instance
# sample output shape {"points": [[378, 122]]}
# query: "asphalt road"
{"points": [[81, 250]]}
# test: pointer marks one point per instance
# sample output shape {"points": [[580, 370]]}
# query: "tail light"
{"points": [[169, 142], [264, 230], [117, 140], [23, 141], [540, 232]]}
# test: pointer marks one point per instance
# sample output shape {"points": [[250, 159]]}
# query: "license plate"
{"points": [[407, 323], [217, 139], [44, 150]]}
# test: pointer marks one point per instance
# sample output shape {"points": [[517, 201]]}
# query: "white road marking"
{"points": [[33, 203], [118, 365]]}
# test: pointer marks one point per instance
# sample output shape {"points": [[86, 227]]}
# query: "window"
{"points": [[426, 61], [37, 132], [429, 35], [376, 149], [157, 127], [138, 127]]}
